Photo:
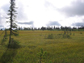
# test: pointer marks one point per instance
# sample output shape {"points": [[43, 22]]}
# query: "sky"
{"points": [[38, 13]]}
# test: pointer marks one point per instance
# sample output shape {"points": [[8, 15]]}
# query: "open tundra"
{"points": [[60, 47]]}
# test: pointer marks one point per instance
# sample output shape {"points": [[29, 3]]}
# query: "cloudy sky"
{"points": [[38, 13]]}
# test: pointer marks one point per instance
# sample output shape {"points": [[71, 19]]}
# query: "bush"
{"points": [[42, 55], [66, 36], [13, 44], [73, 34], [50, 36], [81, 33]]}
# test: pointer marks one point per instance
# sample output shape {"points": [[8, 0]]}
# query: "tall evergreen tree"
{"points": [[12, 16]]}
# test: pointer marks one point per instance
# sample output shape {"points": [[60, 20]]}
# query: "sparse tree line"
{"points": [[52, 28]]}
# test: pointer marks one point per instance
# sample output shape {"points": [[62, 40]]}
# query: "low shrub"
{"points": [[81, 33], [13, 44], [50, 36], [66, 36], [42, 55]]}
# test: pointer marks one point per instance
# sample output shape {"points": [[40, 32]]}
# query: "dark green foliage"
{"points": [[13, 26], [50, 36], [58, 36], [81, 33], [73, 34], [3, 41], [15, 32], [42, 55], [14, 44], [4, 38], [67, 34], [8, 56], [50, 61]]}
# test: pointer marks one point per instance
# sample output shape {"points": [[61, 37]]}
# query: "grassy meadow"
{"points": [[58, 48]]}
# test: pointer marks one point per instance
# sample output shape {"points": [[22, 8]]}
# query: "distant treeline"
{"points": [[53, 28]]}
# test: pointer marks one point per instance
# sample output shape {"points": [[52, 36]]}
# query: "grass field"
{"points": [[58, 49]]}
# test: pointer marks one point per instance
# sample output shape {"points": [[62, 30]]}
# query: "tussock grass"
{"points": [[59, 49]]}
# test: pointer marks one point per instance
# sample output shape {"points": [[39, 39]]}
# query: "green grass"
{"points": [[59, 49]]}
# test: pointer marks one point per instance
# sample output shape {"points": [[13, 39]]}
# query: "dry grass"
{"points": [[59, 50]]}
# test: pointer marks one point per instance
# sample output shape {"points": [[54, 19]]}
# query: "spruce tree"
{"points": [[12, 16]]}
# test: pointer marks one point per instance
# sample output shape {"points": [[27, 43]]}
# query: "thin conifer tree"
{"points": [[12, 16]]}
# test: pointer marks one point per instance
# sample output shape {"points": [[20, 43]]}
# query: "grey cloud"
{"points": [[28, 23], [1, 26], [53, 23], [77, 8], [20, 11], [78, 24]]}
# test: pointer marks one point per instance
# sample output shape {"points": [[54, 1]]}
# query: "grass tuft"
{"points": [[50, 36]]}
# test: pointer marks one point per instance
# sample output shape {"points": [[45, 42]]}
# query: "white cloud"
{"points": [[41, 12], [3, 2]]}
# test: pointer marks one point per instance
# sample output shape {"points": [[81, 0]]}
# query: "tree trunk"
{"points": [[11, 19]]}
